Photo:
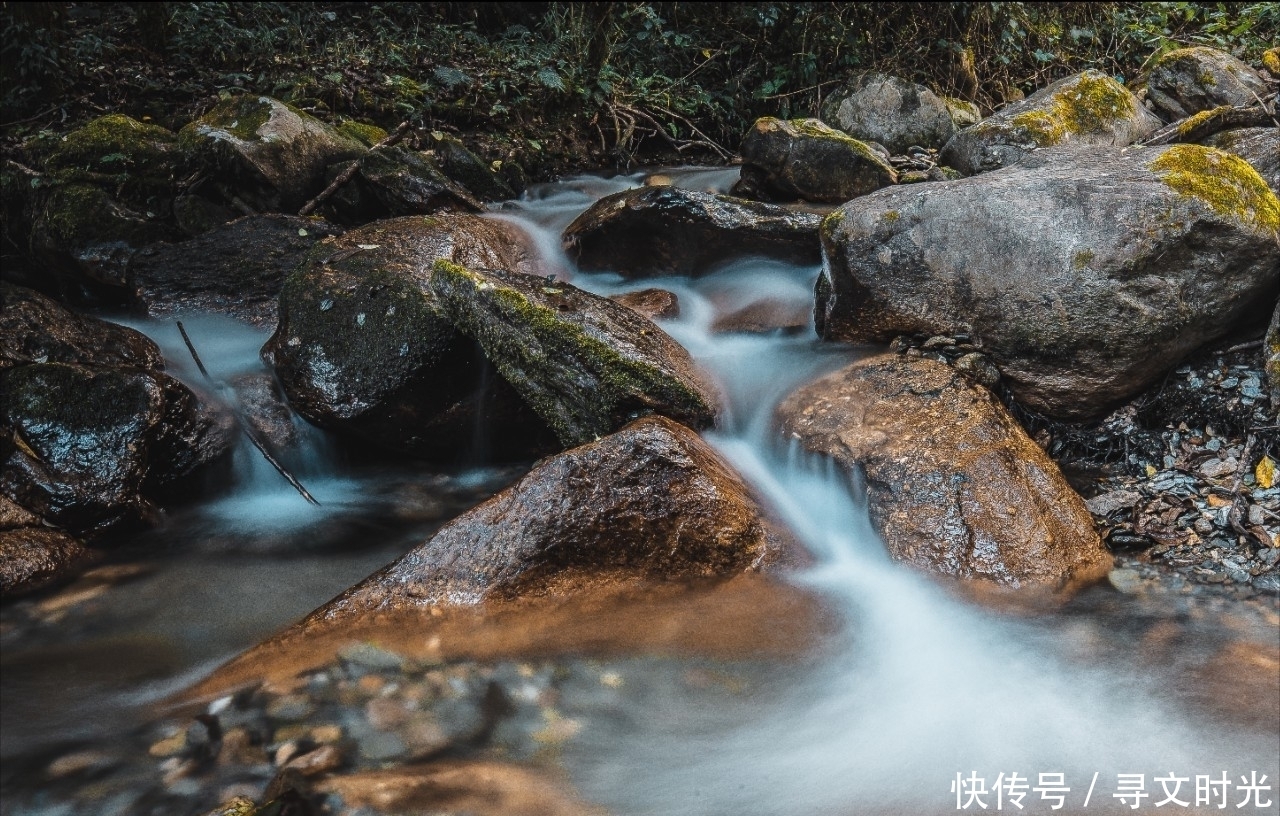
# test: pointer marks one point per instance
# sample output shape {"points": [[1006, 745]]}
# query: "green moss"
{"points": [[241, 116], [1200, 118], [816, 129], [1227, 184], [1040, 127], [116, 144], [578, 384], [1208, 79], [1081, 259], [1091, 104], [365, 134], [891, 216]]}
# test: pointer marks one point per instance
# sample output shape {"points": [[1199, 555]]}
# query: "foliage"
{"points": [[684, 76]]}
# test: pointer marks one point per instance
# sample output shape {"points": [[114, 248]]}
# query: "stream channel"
{"points": [[915, 688]]}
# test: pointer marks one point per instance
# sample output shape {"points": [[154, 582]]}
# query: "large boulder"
{"points": [[891, 111], [395, 181], [1153, 252], [805, 159], [652, 501], [1089, 108], [1191, 80], [1259, 146], [586, 364], [363, 347], [236, 269], [651, 231], [266, 153], [954, 484], [96, 431]]}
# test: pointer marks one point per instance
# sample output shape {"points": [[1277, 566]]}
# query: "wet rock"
{"points": [[36, 329], [467, 169], [585, 364], [652, 500], [653, 231], [1088, 109], [93, 443], [236, 269], [195, 214], [954, 484], [263, 406], [1258, 146], [264, 152], [32, 557], [477, 787], [1191, 80], [396, 181], [805, 159], [363, 346], [763, 316], [892, 111], [1271, 353], [652, 303], [979, 368], [322, 760], [1156, 252]]}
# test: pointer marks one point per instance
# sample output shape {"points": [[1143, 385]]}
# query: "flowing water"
{"points": [[917, 690]]}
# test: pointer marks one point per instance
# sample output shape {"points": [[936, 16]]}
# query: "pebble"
{"points": [[1124, 580], [321, 760], [290, 707]]}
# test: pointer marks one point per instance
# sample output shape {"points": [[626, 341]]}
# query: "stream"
{"points": [[917, 692]]}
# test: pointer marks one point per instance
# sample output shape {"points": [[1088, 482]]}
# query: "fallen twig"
{"points": [[349, 173], [244, 424]]}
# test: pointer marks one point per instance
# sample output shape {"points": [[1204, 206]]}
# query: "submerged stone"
{"points": [[584, 363], [1089, 109]]}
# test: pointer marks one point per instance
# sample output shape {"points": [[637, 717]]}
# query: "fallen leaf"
{"points": [[1265, 473]]}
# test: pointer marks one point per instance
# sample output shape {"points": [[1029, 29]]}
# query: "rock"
{"points": [[1154, 253], [955, 486], [1089, 108], [1113, 500], [36, 329], [1271, 352], [363, 347], [805, 159], [32, 557], [1191, 80], [477, 788], [1128, 581], [650, 501], [652, 303], [1258, 146], [889, 110], [94, 443], [585, 364], [264, 407], [322, 760], [269, 154], [763, 316], [978, 368], [467, 169], [963, 114], [653, 231], [236, 269], [395, 181]]}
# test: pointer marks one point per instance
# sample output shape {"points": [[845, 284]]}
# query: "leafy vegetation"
{"points": [[570, 83]]}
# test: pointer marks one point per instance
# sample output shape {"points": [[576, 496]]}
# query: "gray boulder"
{"points": [[1084, 275], [1259, 146], [955, 486], [586, 364], [805, 159], [363, 347], [654, 231], [1191, 80], [892, 111], [268, 154], [1089, 108]]}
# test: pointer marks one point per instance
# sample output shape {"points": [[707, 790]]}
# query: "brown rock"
{"points": [[955, 485], [652, 303], [36, 329], [652, 500], [476, 787], [652, 231], [33, 557], [313, 763], [265, 410], [764, 316]]}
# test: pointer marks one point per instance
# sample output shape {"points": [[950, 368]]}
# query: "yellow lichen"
{"points": [[1227, 184], [1081, 259], [1200, 118], [1088, 105], [1271, 61]]}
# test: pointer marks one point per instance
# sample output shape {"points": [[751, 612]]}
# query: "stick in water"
{"points": [[244, 424]]}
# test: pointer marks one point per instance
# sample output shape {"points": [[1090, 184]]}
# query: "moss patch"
{"points": [[1081, 259], [1091, 104], [1200, 118], [816, 129], [1271, 61], [242, 117], [116, 144], [1227, 184], [365, 134]]}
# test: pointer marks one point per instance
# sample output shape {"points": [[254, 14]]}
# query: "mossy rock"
{"points": [[364, 348], [963, 114], [1190, 80], [116, 144], [363, 132], [468, 169], [585, 364], [397, 181], [1259, 146], [85, 237], [889, 110], [1223, 182], [805, 159], [1089, 108], [270, 155]]}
